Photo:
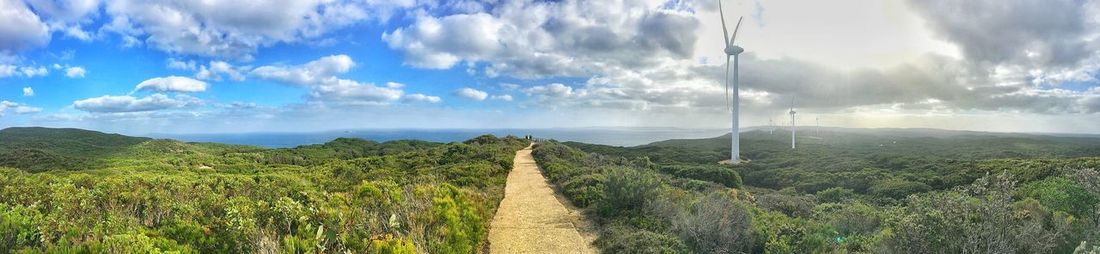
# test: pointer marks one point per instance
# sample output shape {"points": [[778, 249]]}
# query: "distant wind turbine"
{"points": [[792, 123], [734, 106], [771, 126]]}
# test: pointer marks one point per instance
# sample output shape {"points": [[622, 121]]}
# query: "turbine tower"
{"points": [[771, 126], [732, 50], [792, 123]]}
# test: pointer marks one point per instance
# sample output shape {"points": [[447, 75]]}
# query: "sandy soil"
{"points": [[531, 219]]}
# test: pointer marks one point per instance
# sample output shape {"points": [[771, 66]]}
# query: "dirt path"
{"points": [[531, 219]]}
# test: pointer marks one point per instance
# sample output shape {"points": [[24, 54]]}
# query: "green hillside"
{"points": [[38, 149], [841, 190], [105, 193]]}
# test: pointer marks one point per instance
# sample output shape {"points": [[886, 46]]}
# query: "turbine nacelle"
{"points": [[734, 50]]}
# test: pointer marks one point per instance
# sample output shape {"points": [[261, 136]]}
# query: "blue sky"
{"points": [[304, 65]]}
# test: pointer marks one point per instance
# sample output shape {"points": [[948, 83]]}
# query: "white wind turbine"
{"points": [[771, 126], [792, 123], [732, 50]]}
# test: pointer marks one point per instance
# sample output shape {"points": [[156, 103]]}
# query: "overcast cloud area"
{"points": [[1021, 65]]}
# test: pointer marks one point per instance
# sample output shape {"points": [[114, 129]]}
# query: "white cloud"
{"points": [[18, 108], [178, 64], [27, 110], [416, 97], [218, 68], [470, 93], [7, 70], [229, 29], [311, 73], [28, 91], [172, 84], [31, 72], [503, 97], [544, 39], [20, 28], [320, 77], [351, 92], [75, 72], [67, 17], [126, 103], [555, 90]]}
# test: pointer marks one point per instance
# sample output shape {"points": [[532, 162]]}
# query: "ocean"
{"points": [[604, 136]]}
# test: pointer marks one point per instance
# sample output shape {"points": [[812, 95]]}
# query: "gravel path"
{"points": [[531, 219]]}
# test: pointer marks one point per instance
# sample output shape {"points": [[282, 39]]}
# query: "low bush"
{"points": [[628, 190], [713, 173]]}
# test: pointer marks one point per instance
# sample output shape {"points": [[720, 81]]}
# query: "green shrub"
{"points": [[793, 205], [982, 218], [458, 227], [19, 227], [898, 188], [835, 195], [624, 239], [627, 190], [774, 232], [713, 173], [1061, 194], [715, 224], [391, 245]]}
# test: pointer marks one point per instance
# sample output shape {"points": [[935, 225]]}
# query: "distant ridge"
{"points": [[39, 148]]}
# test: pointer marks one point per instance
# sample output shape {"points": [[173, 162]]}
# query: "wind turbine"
{"points": [[771, 126], [732, 50], [792, 123]]}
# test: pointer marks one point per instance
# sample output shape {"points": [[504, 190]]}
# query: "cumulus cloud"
{"points": [[67, 17], [31, 72], [503, 97], [172, 84], [1041, 32], [75, 72], [470, 93], [320, 76], [229, 29], [28, 91], [351, 92], [20, 28], [534, 39], [311, 73], [218, 68], [416, 97], [555, 90], [126, 103], [178, 64], [7, 70], [18, 108]]}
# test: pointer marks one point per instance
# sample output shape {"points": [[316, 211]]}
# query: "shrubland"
{"points": [[99, 193], [881, 192]]}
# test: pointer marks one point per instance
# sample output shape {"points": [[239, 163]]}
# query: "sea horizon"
{"points": [[613, 136]]}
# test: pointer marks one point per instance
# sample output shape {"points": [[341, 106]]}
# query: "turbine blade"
{"points": [[738, 27], [725, 35], [726, 83]]}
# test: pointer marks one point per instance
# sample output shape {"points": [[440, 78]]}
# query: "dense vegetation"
{"points": [[75, 191], [887, 191]]}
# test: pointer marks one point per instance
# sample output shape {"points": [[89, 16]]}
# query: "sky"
{"points": [[203, 66]]}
